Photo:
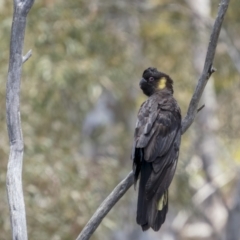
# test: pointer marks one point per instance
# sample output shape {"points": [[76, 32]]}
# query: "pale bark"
{"points": [[14, 171]]}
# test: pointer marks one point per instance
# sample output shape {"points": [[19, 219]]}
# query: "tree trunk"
{"points": [[14, 171]]}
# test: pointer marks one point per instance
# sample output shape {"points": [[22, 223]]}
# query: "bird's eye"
{"points": [[151, 79]]}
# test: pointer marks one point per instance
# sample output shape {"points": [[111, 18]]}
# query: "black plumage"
{"points": [[156, 148]]}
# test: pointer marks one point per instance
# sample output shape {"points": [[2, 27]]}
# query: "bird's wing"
{"points": [[155, 153], [163, 170], [157, 126]]}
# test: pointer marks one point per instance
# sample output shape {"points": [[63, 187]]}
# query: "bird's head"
{"points": [[153, 81]]}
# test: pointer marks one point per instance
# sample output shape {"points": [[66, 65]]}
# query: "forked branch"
{"points": [[122, 187]]}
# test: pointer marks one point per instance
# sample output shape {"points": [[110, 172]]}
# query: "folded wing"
{"points": [[155, 153]]}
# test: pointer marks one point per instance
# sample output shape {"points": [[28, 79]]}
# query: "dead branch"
{"points": [[116, 194], [199, 109], [14, 170], [27, 56], [106, 206]]}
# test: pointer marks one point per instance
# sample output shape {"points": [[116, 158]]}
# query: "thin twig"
{"points": [[199, 109], [27, 56], [115, 195]]}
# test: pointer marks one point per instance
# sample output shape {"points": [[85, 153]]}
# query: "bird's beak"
{"points": [[142, 81]]}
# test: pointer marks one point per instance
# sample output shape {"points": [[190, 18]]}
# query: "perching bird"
{"points": [[156, 148]]}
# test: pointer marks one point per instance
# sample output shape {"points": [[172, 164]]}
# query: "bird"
{"points": [[155, 151]]}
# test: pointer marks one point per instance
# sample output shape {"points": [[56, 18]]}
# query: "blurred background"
{"points": [[79, 102]]}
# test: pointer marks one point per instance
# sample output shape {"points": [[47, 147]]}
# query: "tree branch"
{"points": [[14, 170], [23, 6], [106, 206], [122, 187], [27, 56], [199, 109], [207, 70]]}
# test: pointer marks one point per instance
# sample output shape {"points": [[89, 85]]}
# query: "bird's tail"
{"points": [[150, 213], [157, 211], [143, 203]]}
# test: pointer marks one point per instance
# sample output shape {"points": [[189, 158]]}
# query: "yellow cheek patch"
{"points": [[162, 83]]}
